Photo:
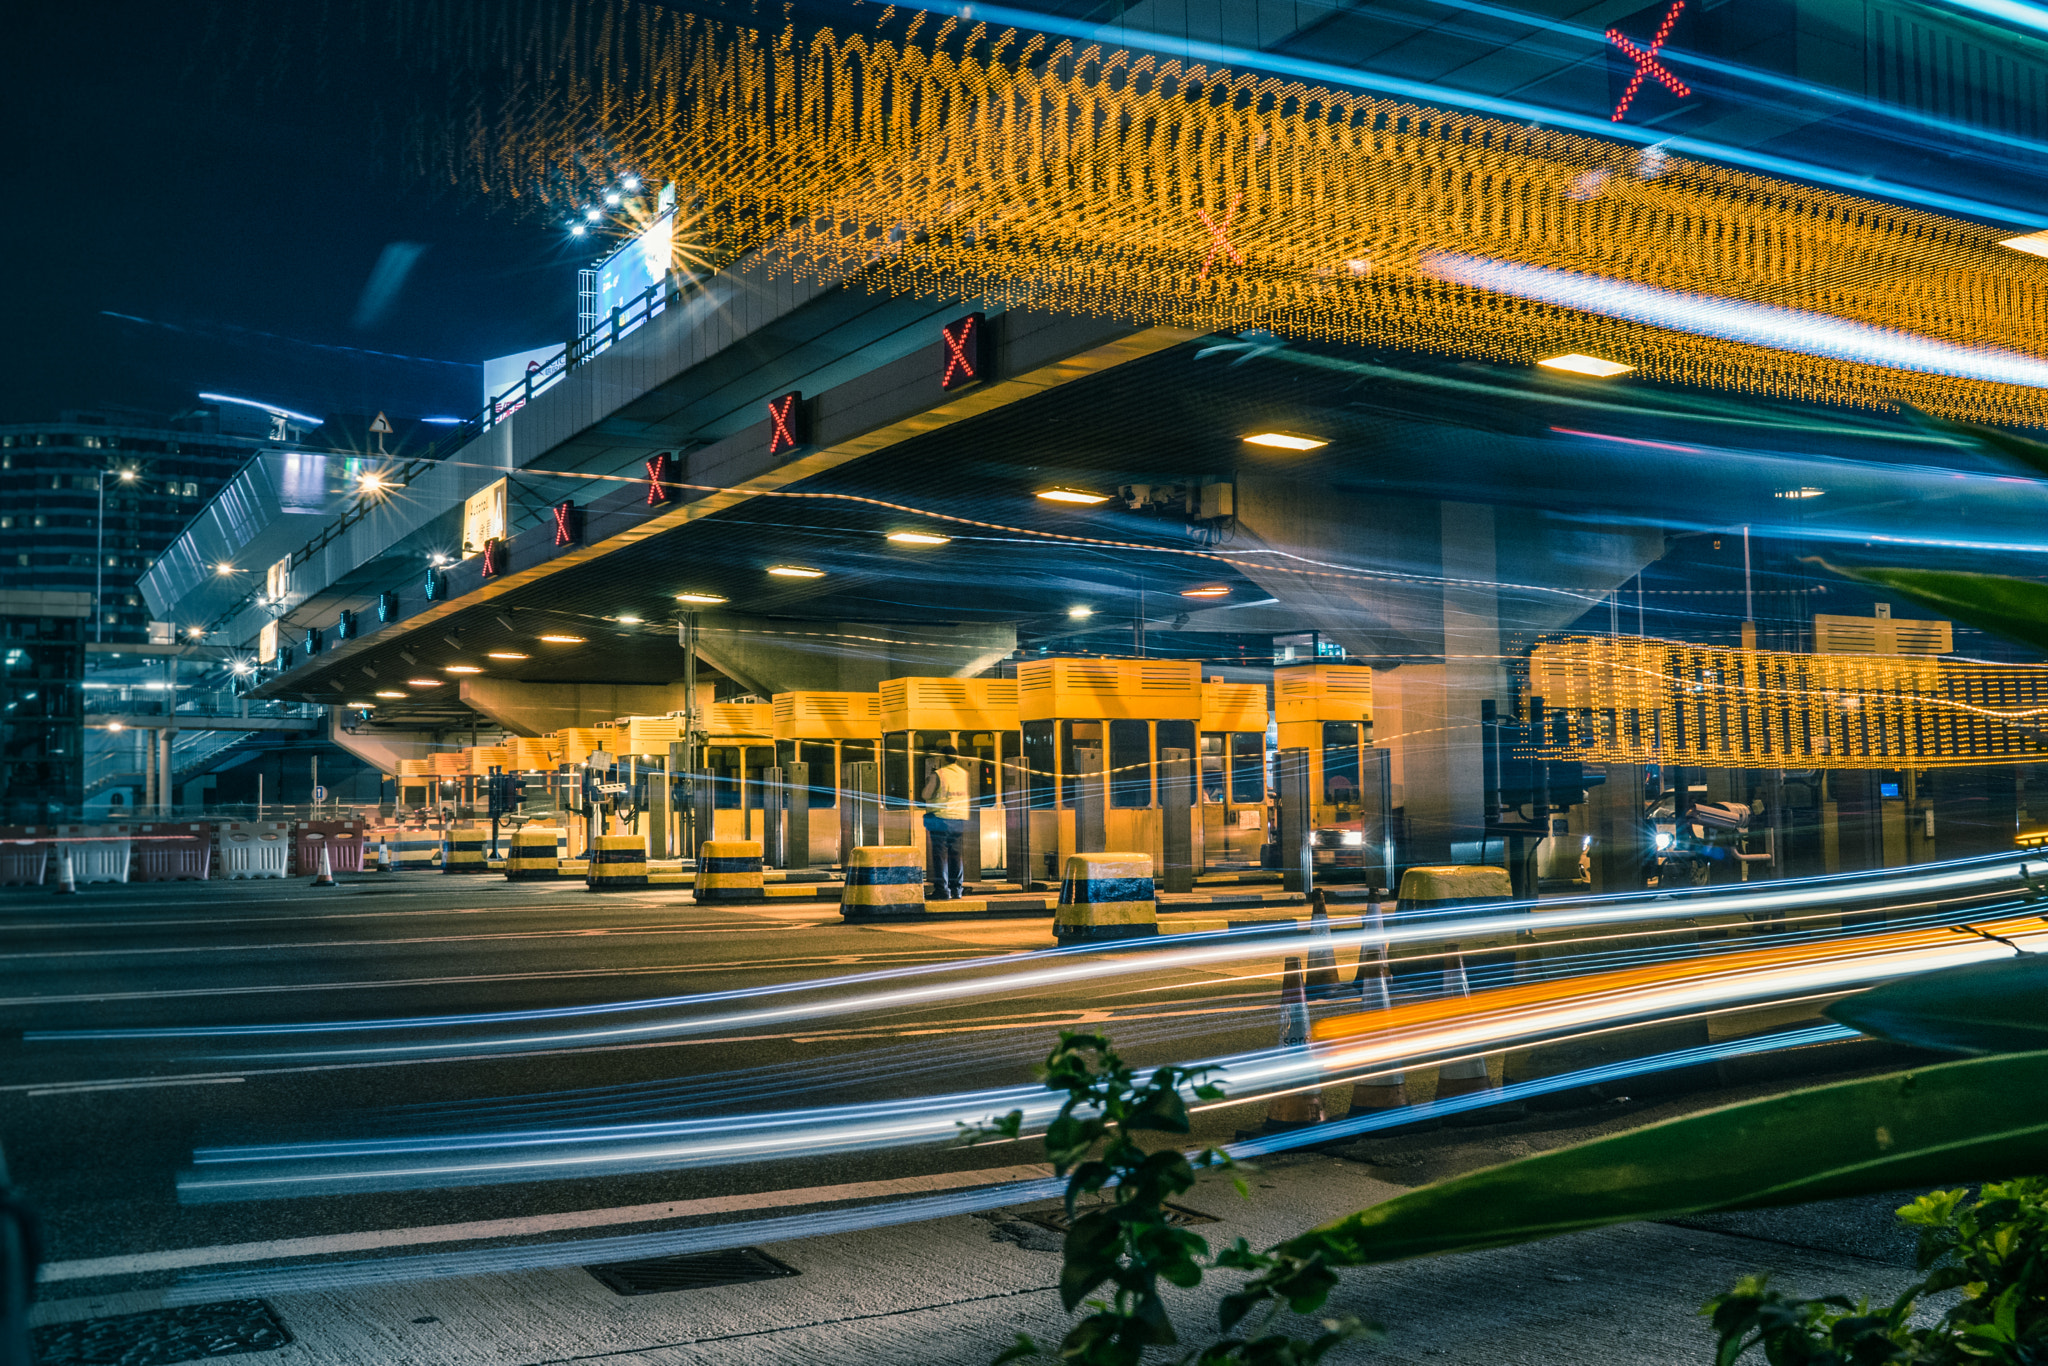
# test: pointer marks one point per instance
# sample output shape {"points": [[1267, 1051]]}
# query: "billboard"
{"points": [[483, 518], [504, 390], [630, 271]]}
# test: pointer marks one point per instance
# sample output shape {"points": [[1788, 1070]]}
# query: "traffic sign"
{"points": [[319, 794]]}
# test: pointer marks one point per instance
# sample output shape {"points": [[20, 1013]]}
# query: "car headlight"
{"points": [[1663, 839]]}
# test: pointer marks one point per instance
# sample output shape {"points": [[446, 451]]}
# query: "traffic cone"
{"points": [[1389, 1090], [67, 883], [1466, 1075], [384, 864], [1323, 982], [1297, 1109], [325, 877]]}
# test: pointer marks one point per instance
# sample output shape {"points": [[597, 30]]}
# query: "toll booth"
{"points": [[825, 731], [647, 764], [1095, 731], [1232, 773], [451, 781], [534, 758], [739, 748], [1325, 711], [416, 785], [978, 717]]}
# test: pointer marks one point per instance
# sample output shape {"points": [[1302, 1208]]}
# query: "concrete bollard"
{"points": [[882, 880], [728, 870], [533, 855], [1106, 896], [618, 863], [463, 850]]}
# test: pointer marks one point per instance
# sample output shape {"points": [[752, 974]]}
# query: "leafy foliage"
{"points": [[1128, 1244], [1995, 1007], [2014, 608], [1991, 1250]]}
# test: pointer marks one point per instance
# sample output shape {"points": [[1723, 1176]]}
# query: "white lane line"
{"points": [[332, 1243], [72, 1088], [598, 932], [888, 958]]}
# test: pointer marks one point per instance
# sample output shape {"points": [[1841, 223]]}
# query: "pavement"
{"points": [[98, 1132]]}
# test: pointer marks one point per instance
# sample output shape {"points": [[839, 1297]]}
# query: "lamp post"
{"points": [[99, 559]]}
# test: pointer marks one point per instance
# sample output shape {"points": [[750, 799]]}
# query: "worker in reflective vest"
{"points": [[945, 822]]}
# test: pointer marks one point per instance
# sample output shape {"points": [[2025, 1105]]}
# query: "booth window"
{"points": [[978, 751], [1130, 764], [1212, 769], [1040, 763], [823, 781], [724, 763], [896, 768], [1247, 768], [1340, 763], [1178, 735], [1080, 735]]}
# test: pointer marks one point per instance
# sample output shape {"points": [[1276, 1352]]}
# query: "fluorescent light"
{"points": [[1807, 492], [115, 725], [364, 705], [705, 598], [424, 682], [563, 640], [1586, 365], [392, 693], [1285, 441], [1078, 611], [460, 669], [1072, 496], [1214, 591], [795, 571], [629, 621], [503, 654], [270, 408], [2033, 244], [917, 538]]}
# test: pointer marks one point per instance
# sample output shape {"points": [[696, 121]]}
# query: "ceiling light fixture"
{"points": [[503, 654], [460, 669], [563, 640], [1586, 365], [223, 568], [629, 621], [391, 693], [1072, 496], [363, 706], [1078, 612], [1285, 441], [795, 571], [703, 599], [1212, 591], [1808, 492], [424, 682], [917, 538]]}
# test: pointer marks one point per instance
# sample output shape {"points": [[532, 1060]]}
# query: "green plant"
{"points": [[1127, 1242], [1992, 1250]]}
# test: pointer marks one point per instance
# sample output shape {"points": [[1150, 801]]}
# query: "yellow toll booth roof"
{"points": [[1322, 692], [1234, 707], [828, 715], [949, 704], [1110, 689]]}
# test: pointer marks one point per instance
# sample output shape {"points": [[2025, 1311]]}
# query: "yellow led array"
{"points": [[1631, 700], [954, 159]]}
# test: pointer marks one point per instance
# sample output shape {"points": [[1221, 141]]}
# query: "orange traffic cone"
{"points": [[67, 884], [1466, 1075], [1389, 1090], [1323, 982], [325, 877], [1297, 1109]]}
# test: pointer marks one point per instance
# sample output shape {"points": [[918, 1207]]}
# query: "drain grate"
{"points": [[693, 1271], [1055, 1217], [163, 1337]]}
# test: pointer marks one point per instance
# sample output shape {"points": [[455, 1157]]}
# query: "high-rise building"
{"points": [[42, 705]]}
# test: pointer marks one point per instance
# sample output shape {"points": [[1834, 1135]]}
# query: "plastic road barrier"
{"points": [[883, 880], [253, 849], [729, 870], [24, 859], [1106, 896], [343, 841], [173, 853], [618, 863], [535, 854], [99, 853], [464, 850]]}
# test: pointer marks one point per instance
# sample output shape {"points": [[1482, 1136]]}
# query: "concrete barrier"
{"points": [[617, 863], [534, 854], [1106, 896], [729, 870], [883, 880], [465, 849]]}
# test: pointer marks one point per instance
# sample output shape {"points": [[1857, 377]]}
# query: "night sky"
{"points": [[143, 177]]}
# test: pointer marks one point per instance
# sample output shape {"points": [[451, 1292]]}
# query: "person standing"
{"points": [[945, 822]]}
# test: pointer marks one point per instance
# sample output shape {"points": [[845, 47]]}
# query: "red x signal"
{"points": [[785, 423], [494, 557], [565, 524], [965, 353], [657, 478], [1646, 61]]}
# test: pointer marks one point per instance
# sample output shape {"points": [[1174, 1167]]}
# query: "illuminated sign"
{"points": [[345, 625], [786, 426], [568, 524], [277, 580], [642, 264], [483, 518], [1645, 62], [505, 378], [965, 351], [494, 557], [313, 640], [266, 643], [387, 606], [658, 475], [437, 585]]}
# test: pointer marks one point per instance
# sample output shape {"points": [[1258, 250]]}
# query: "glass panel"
{"points": [[896, 768], [1040, 759], [824, 778], [1079, 735], [1212, 769], [724, 763], [978, 749], [1340, 763], [1247, 768], [1174, 735], [1130, 764]]}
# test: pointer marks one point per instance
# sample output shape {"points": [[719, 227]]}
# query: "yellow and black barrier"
{"points": [[618, 863], [1442, 890], [883, 881], [418, 850], [729, 870], [1106, 896], [464, 849], [534, 854]]}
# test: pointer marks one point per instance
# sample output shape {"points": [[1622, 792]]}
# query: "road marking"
{"points": [[333, 1243], [69, 1088], [594, 933]]}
